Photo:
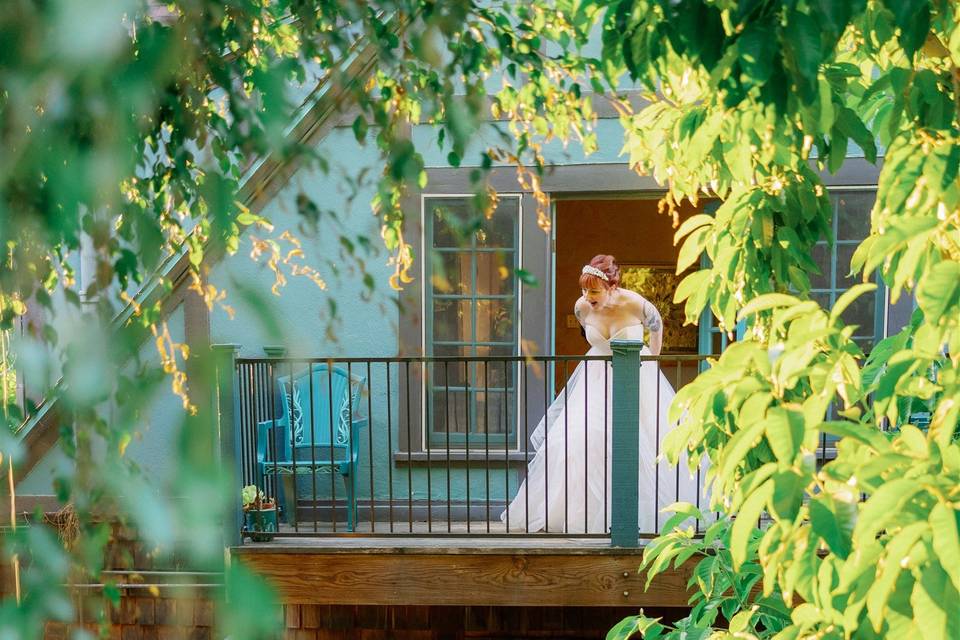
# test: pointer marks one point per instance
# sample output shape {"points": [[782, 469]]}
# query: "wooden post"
{"points": [[625, 442], [226, 413]]}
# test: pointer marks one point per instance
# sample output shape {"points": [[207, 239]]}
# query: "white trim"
{"points": [[552, 302], [886, 313], [850, 187], [424, 253]]}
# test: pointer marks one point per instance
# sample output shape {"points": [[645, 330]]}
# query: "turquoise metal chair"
{"points": [[316, 444]]}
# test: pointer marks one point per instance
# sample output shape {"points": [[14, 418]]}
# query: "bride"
{"points": [[567, 487]]}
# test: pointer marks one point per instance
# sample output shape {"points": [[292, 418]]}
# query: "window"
{"points": [[471, 310], [851, 224]]}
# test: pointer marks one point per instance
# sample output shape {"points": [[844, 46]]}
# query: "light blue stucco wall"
{"points": [[609, 136], [299, 317], [301, 310]]}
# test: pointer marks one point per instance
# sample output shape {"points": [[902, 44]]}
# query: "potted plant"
{"points": [[259, 514]]}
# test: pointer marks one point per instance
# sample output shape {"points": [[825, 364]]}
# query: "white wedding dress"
{"points": [[567, 488]]}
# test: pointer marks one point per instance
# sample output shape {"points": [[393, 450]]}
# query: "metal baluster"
{"points": [[263, 408], [656, 459], [586, 446], [293, 450], [409, 457], [546, 447], [486, 437], [373, 514], [446, 410], [698, 490], [313, 446], [466, 452], [252, 412], [506, 444], [352, 478], [697, 487], [389, 449], [274, 440], [242, 426], [526, 446], [823, 448], [241, 422], [333, 486], [675, 386], [566, 452], [269, 400], [606, 429], [427, 425]]}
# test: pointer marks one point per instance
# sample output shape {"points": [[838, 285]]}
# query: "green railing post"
{"points": [[226, 411], [625, 442]]}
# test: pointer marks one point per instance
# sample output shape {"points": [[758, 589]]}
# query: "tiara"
{"points": [[595, 272]]}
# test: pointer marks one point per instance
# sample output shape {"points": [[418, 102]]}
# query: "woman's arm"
{"points": [[651, 319], [580, 309], [654, 324]]}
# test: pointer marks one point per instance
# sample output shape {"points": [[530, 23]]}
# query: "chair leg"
{"points": [[288, 497], [349, 484]]}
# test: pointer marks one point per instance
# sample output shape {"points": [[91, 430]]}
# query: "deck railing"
{"points": [[439, 445]]}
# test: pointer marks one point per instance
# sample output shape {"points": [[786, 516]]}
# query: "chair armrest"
{"points": [[264, 432], [358, 425]]}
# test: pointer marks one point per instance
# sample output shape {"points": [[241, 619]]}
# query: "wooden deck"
{"points": [[458, 569]]}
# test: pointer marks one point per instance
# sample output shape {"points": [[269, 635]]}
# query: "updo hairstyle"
{"points": [[606, 264]]}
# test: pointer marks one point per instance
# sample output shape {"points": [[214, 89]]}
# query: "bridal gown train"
{"points": [[567, 487]]}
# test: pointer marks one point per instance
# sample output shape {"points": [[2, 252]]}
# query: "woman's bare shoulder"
{"points": [[632, 297], [638, 305], [581, 308]]}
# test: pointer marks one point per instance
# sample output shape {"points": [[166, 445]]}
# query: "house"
{"points": [[458, 368]]}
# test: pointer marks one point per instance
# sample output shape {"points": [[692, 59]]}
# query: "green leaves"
{"points": [[849, 124], [945, 522], [623, 629], [784, 431], [939, 293], [745, 523], [935, 602], [757, 47], [360, 128], [834, 16], [828, 527], [885, 504], [848, 297], [869, 538], [648, 628], [802, 42], [913, 19], [788, 493]]}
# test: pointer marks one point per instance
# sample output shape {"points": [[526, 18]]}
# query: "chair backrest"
{"points": [[317, 397]]}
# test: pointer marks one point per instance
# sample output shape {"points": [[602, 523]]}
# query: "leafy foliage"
{"points": [[748, 102], [721, 587], [131, 132]]}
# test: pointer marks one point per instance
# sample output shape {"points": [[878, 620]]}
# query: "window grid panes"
{"points": [[471, 311], [851, 224]]}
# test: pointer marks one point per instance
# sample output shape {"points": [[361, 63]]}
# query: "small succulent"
{"points": [[254, 499]]}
